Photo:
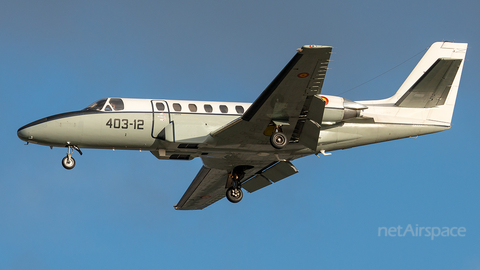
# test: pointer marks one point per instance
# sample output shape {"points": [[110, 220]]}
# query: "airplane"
{"points": [[251, 146]]}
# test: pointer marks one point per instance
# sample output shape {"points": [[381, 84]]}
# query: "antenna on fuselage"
{"points": [[422, 51]]}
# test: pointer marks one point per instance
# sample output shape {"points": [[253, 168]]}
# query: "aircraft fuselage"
{"points": [[148, 126]]}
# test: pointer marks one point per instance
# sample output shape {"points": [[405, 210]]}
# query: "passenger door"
{"points": [[162, 124]]}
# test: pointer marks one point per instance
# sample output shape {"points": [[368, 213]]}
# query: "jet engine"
{"points": [[338, 109]]}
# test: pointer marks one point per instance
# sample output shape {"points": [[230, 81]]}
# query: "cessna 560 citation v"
{"points": [[250, 146]]}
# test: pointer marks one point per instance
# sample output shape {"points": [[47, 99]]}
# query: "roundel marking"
{"points": [[303, 75], [325, 99]]}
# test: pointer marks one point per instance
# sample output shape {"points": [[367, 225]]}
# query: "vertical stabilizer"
{"points": [[433, 83]]}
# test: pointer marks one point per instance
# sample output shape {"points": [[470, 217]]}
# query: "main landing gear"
{"points": [[234, 195], [68, 162], [234, 184], [278, 140]]}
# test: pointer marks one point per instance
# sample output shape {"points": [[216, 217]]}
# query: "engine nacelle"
{"points": [[338, 109]]}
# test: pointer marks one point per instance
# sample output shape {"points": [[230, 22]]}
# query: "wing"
{"points": [[286, 101], [291, 101], [207, 188], [209, 184]]}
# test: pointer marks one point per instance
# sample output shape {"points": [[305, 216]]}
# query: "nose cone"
{"points": [[56, 130], [25, 133]]}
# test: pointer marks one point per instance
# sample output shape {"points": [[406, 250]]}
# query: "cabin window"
{"points": [[96, 106], [177, 107], [160, 106], [192, 107], [208, 108], [223, 109], [239, 109]]}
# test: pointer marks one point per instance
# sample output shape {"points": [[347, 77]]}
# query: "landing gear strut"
{"points": [[68, 162]]}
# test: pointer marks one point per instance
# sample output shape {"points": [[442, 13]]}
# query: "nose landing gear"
{"points": [[68, 162]]}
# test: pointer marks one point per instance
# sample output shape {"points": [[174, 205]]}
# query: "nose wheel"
{"points": [[68, 162]]}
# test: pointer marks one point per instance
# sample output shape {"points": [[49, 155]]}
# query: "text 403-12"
{"points": [[125, 123]]}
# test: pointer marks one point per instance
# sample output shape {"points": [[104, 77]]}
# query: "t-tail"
{"points": [[427, 97]]}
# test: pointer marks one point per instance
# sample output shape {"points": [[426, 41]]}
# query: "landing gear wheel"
{"points": [[278, 140], [234, 195], [68, 162]]}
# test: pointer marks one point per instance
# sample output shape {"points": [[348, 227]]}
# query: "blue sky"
{"points": [[114, 210]]}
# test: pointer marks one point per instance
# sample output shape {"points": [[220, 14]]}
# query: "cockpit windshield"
{"points": [[96, 106], [113, 104]]}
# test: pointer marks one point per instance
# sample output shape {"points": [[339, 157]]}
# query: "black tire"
{"points": [[234, 195], [278, 140], [68, 164]]}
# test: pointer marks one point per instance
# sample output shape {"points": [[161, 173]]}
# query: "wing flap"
{"points": [[308, 130], [257, 182], [279, 171], [310, 134], [270, 174]]}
